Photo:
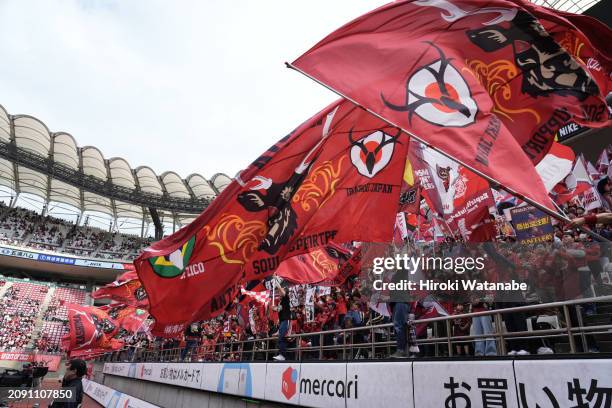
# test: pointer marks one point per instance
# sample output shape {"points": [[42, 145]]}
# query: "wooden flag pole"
{"points": [[494, 183]]}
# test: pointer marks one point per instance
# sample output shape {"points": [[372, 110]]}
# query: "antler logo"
{"points": [[103, 326], [372, 153], [454, 12], [140, 293], [438, 94]]}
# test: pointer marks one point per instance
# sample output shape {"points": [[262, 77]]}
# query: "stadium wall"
{"points": [[414, 384]]}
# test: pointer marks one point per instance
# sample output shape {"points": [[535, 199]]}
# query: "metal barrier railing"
{"points": [[376, 341]]}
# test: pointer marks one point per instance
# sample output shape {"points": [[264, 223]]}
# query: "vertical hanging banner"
{"points": [[336, 177], [486, 85]]}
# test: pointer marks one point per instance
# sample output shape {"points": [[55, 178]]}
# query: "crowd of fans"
{"points": [[19, 309], [17, 223], [83, 240], [571, 266], [568, 265], [22, 227], [48, 233], [22, 306], [119, 245]]}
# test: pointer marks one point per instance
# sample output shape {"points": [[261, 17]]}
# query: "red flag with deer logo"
{"points": [[90, 328], [325, 266], [127, 289], [336, 177], [486, 85], [127, 317]]}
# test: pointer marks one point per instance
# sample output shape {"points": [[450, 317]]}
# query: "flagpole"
{"points": [[490, 179]]}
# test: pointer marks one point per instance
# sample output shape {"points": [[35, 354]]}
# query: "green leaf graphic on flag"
{"points": [[172, 265]]}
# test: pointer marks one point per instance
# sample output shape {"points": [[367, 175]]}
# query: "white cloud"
{"points": [[191, 86]]}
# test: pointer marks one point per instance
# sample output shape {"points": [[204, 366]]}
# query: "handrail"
{"points": [[232, 347]]}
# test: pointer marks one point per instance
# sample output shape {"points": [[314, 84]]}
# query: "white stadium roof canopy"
{"points": [[572, 6], [30, 142]]}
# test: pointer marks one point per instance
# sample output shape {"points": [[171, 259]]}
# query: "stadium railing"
{"points": [[380, 343]]}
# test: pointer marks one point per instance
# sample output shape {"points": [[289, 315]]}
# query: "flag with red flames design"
{"points": [[336, 177], [485, 84]]}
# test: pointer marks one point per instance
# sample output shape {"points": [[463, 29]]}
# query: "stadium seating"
{"points": [[56, 311], [51, 335], [25, 228], [22, 305], [19, 307]]}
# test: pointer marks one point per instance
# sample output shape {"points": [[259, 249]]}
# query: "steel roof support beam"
{"points": [[105, 188]]}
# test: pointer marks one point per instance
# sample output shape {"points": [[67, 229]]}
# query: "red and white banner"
{"points": [[262, 297], [557, 163], [471, 207], [576, 183]]}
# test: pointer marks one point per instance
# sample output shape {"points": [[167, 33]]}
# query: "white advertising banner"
{"points": [[98, 264], [188, 375], [418, 384], [120, 369], [101, 394], [109, 398], [463, 384], [18, 253], [149, 371], [227, 378], [212, 376], [380, 384], [130, 402], [282, 383], [326, 385], [252, 380], [564, 383]]}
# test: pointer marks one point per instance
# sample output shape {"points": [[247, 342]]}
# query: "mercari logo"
{"points": [[341, 388], [289, 382]]}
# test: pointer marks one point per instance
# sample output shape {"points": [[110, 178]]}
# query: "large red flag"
{"points": [[127, 317], [584, 37], [325, 266], [127, 289], [485, 85], [90, 328], [472, 199], [337, 176]]}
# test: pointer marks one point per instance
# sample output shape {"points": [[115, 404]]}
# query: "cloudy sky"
{"points": [[192, 86]]}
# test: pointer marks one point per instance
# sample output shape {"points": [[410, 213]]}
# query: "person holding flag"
{"points": [[284, 319], [592, 219], [192, 339]]}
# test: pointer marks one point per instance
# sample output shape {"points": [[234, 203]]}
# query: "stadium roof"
{"points": [[572, 6], [52, 166]]}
